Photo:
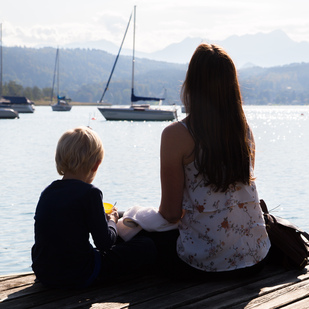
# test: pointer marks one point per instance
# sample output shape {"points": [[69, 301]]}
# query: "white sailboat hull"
{"points": [[8, 113], [138, 113]]}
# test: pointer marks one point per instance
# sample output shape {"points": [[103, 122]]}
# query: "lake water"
{"points": [[130, 173]]}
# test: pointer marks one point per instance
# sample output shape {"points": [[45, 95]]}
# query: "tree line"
{"points": [[35, 93], [253, 94]]}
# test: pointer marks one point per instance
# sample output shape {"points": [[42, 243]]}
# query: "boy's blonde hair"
{"points": [[78, 150]]}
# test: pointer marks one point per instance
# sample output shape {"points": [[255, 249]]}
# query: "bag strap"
{"points": [[264, 206], [283, 222]]}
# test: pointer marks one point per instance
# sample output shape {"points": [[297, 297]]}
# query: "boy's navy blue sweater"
{"points": [[69, 211]]}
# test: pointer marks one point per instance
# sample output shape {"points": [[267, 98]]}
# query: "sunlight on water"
{"points": [[130, 172], [282, 148]]}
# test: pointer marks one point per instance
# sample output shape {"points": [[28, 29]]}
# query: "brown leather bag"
{"points": [[289, 244]]}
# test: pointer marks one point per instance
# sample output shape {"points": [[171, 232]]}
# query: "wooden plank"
{"points": [[16, 275], [37, 296], [272, 287], [11, 286], [242, 296], [282, 297], [120, 295], [302, 304], [192, 295], [11, 281]]}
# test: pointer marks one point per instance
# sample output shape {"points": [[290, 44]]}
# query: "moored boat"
{"points": [[8, 113], [62, 104], [19, 104], [136, 112]]}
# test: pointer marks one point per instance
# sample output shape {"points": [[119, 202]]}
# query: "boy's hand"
{"points": [[113, 216]]}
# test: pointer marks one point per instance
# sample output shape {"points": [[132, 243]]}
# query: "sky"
{"points": [[159, 23]]}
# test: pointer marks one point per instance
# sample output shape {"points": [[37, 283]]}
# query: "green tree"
{"points": [[36, 93], [46, 92], [27, 92], [12, 88]]}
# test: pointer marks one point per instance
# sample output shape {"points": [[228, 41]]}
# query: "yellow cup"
{"points": [[108, 207]]}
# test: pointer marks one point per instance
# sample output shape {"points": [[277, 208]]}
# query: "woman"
{"points": [[207, 182]]}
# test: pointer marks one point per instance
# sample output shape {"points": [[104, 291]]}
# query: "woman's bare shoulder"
{"points": [[178, 138], [176, 128]]}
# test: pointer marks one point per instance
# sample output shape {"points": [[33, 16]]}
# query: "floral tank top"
{"points": [[220, 231]]}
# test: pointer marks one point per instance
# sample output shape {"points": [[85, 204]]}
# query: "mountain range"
{"points": [[273, 69], [261, 49]]}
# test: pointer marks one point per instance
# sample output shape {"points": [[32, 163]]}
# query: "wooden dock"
{"points": [[272, 288]]}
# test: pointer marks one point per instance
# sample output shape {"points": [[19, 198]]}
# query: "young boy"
{"points": [[69, 210]]}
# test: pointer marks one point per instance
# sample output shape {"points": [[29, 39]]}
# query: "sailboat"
{"points": [[141, 112], [62, 104], [11, 106]]}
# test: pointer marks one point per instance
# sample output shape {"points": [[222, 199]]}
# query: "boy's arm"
{"points": [[103, 232], [113, 227]]}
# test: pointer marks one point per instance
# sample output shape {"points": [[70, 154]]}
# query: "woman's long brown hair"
{"points": [[216, 119]]}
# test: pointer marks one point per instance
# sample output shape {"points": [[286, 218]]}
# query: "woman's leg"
{"points": [[165, 243], [136, 255]]}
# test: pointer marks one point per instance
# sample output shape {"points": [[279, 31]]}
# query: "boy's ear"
{"points": [[96, 166]]}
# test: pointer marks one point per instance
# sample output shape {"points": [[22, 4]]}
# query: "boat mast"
{"points": [[135, 98], [133, 59], [110, 76], [58, 73], [55, 72]]}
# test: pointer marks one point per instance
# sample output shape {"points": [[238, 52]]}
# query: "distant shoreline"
{"points": [[47, 103]]}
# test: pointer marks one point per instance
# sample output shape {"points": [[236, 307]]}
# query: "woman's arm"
{"points": [[176, 145]]}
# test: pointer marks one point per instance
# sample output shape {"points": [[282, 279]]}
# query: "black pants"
{"points": [[168, 262], [136, 256]]}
